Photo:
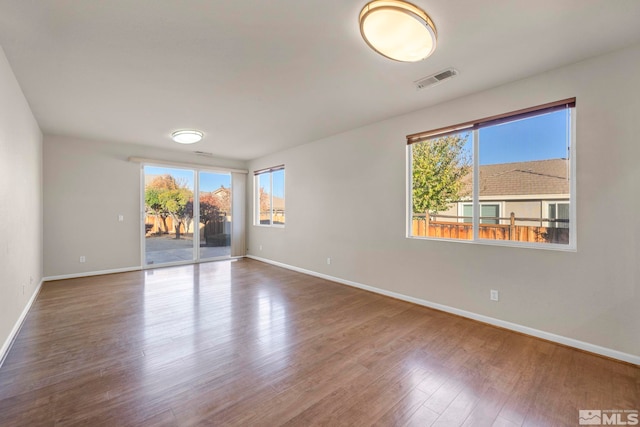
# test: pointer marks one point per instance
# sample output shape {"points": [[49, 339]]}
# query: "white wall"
{"points": [[87, 184], [346, 198], [20, 203]]}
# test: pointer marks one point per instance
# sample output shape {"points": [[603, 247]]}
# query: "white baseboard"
{"points": [[570, 342], [91, 273], [4, 350]]}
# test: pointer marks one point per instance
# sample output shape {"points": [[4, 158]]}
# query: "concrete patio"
{"points": [[166, 249]]}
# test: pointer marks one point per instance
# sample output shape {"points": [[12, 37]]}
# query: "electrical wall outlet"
{"points": [[120, 217], [260, 247], [493, 295], [328, 261], [83, 258]]}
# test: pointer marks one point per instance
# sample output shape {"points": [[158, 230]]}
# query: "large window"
{"points": [[269, 196], [507, 179]]}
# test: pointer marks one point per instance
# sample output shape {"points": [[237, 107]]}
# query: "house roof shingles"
{"points": [[523, 178]]}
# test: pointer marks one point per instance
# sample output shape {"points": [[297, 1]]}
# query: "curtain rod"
{"points": [[492, 120]]}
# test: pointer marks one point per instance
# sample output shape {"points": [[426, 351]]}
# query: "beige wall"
{"points": [[529, 209], [20, 203], [592, 295], [87, 184]]}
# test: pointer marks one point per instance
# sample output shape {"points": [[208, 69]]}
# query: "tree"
{"points": [[265, 203], [166, 196], [214, 208], [439, 166], [152, 201], [153, 206], [209, 208], [177, 203], [215, 204]]}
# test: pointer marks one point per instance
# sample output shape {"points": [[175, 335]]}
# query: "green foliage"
{"points": [[166, 196], [153, 205], [438, 166], [175, 201], [152, 200]]}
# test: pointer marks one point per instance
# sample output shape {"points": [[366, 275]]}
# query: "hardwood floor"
{"points": [[245, 343]]}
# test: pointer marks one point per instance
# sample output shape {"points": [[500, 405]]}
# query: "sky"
{"points": [[278, 182], [535, 138]]}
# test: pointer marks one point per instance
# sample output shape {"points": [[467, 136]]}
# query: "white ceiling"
{"points": [[259, 76]]}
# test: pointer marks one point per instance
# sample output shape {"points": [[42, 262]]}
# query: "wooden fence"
{"points": [[278, 217], [428, 226], [212, 234], [154, 225]]}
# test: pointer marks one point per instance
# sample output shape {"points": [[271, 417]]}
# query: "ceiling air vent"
{"points": [[436, 78], [203, 153]]}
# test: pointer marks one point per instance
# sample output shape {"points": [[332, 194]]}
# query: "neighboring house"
{"points": [[533, 190], [223, 193]]}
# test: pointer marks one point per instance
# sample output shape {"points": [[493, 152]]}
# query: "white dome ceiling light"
{"points": [[398, 30], [187, 136]]}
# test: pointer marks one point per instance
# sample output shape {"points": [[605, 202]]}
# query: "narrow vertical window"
{"points": [[277, 197], [269, 198]]}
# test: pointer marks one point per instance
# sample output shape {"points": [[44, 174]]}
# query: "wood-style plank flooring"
{"points": [[249, 344]]}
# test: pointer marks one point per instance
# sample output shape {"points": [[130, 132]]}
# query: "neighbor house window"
{"points": [[558, 214], [269, 196], [490, 180], [489, 213]]}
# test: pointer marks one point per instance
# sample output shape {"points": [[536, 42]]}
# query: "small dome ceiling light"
{"points": [[398, 30], [187, 136]]}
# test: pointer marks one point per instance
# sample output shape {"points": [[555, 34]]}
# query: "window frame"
{"points": [[473, 127], [256, 195]]}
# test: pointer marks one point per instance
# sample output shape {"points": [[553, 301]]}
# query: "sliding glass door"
{"points": [[215, 215], [168, 219], [187, 215]]}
